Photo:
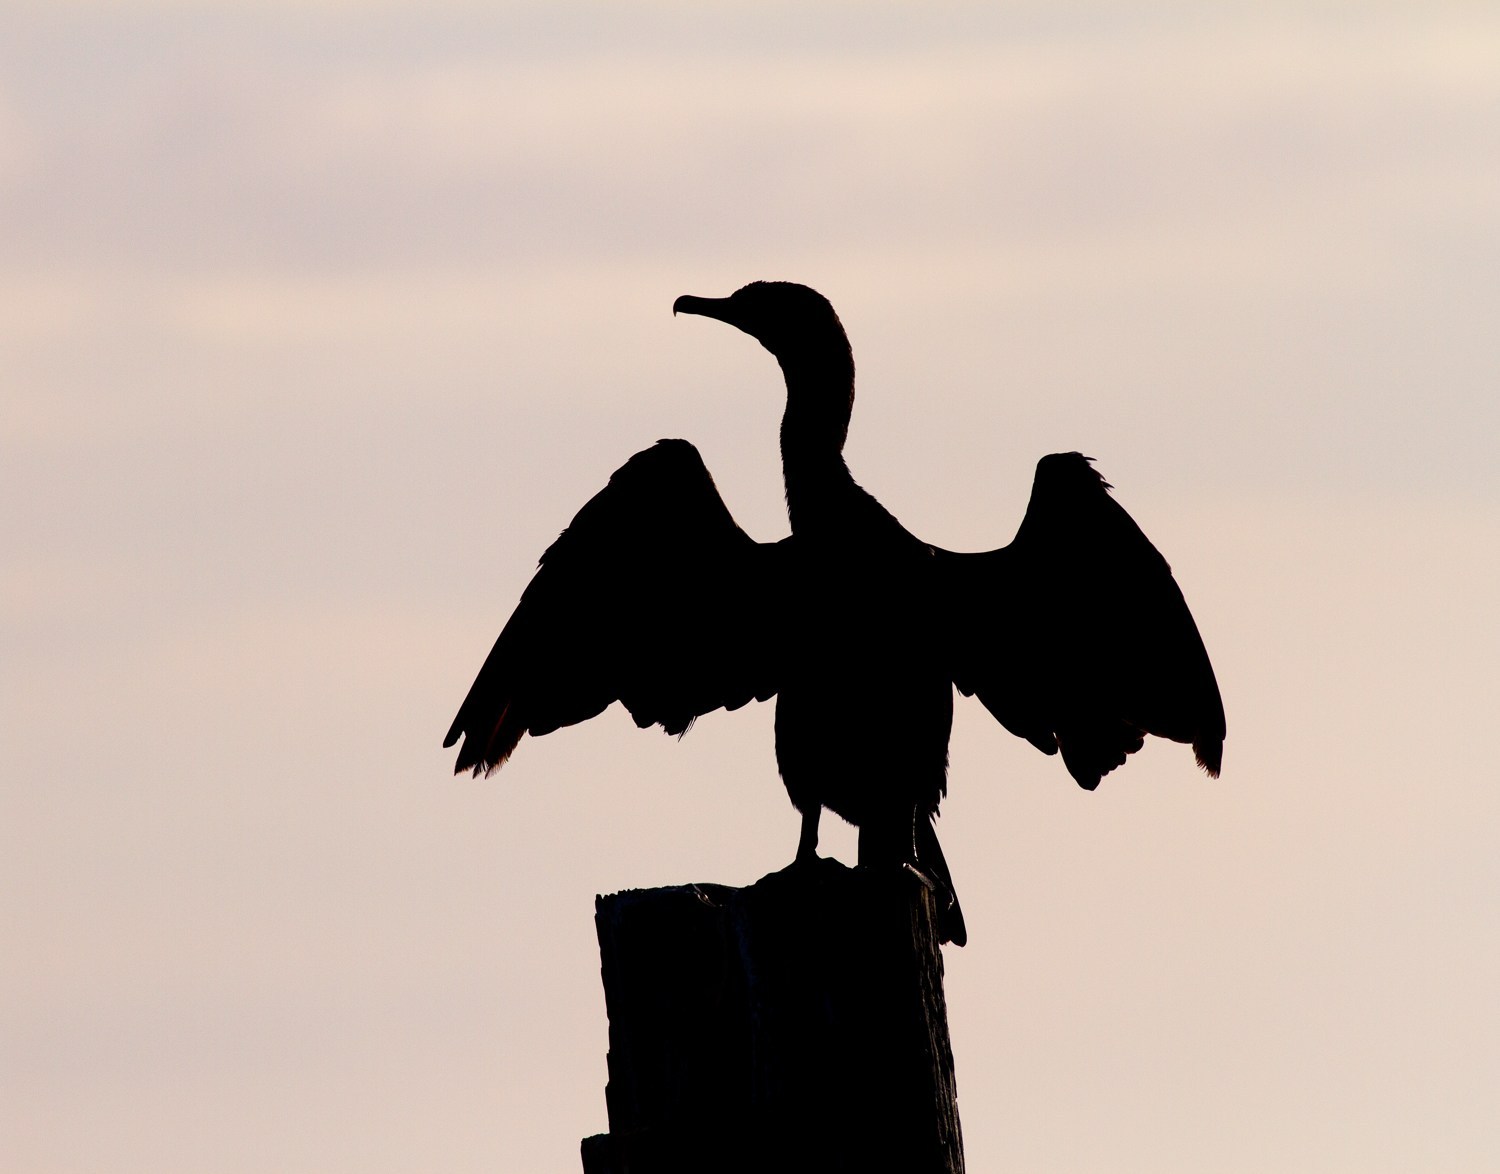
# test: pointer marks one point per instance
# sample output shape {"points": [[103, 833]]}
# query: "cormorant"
{"points": [[1075, 635]]}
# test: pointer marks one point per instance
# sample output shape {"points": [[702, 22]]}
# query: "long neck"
{"points": [[819, 401]]}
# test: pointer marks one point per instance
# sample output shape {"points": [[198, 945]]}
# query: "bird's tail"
{"points": [[950, 918]]}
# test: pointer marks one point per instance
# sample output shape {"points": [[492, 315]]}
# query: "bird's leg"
{"points": [[807, 843]]}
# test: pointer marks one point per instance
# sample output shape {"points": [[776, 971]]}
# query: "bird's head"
{"points": [[793, 322]]}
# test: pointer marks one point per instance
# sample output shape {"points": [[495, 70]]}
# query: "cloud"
{"points": [[353, 159]]}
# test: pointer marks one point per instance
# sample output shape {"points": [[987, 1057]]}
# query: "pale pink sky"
{"points": [[318, 321]]}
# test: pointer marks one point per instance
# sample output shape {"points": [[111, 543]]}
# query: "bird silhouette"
{"points": [[1074, 636]]}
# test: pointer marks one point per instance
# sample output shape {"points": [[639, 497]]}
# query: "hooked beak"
{"points": [[707, 307]]}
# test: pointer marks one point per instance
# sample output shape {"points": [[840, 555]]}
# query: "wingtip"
{"points": [[484, 758], [456, 730], [474, 768], [469, 758]]}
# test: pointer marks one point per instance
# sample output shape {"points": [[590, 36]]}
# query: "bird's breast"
{"points": [[864, 696]]}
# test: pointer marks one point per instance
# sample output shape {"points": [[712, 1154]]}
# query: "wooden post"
{"points": [[794, 1025]]}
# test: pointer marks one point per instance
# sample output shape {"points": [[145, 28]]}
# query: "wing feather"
{"points": [[1076, 636], [652, 596]]}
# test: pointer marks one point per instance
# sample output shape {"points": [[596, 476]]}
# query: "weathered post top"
{"points": [[794, 1025]]}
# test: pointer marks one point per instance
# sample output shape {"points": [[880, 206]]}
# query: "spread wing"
{"points": [[1076, 636], [652, 596]]}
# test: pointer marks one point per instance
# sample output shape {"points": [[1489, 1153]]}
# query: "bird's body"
{"points": [[1074, 636], [865, 705]]}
